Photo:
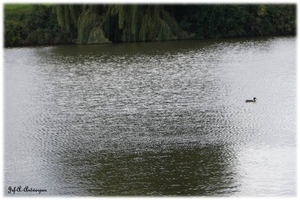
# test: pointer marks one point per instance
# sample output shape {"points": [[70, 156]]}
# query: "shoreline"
{"points": [[204, 39]]}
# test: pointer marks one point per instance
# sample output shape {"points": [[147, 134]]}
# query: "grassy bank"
{"points": [[18, 8]]}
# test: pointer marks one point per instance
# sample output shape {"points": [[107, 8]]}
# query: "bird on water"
{"points": [[254, 100]]}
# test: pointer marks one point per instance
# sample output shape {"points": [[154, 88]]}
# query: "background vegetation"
{"points": [[28, 24]]}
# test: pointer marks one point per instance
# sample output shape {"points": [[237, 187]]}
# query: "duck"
{"points": [[254, 100]]}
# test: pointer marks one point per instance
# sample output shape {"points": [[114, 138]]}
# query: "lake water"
{"points": [[152, 119]]}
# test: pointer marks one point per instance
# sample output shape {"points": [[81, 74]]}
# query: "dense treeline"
{"points": [[94, 24], [221, 21], [37, 25]]}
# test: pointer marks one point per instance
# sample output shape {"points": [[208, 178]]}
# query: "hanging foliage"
{"points": [[119, 23], [90, 27]]}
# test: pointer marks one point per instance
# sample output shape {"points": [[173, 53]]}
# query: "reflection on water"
{"points": [[152, 118], [180, 171]]}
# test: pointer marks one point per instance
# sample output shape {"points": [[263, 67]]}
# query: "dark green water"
{"points": [[152, 119]]}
